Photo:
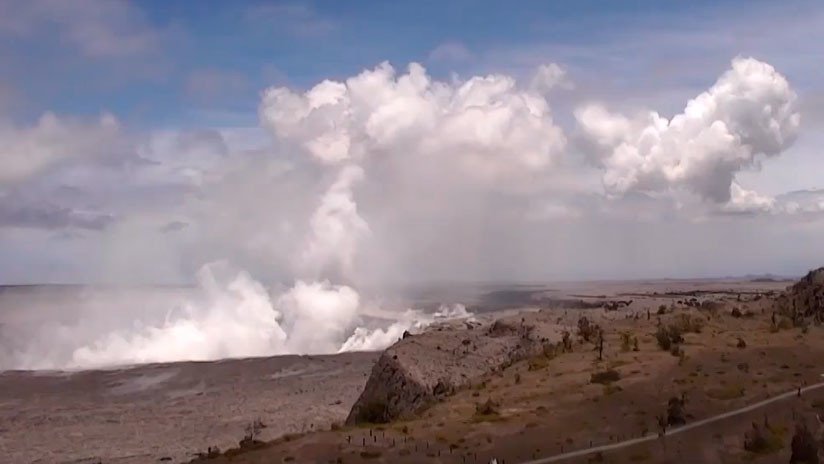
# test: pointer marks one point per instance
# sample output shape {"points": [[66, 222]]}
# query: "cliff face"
{"points": [[421, 369], [804, 299]]}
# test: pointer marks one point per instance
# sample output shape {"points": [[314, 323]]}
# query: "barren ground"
{"points": [[547, 405], [143, 414]]}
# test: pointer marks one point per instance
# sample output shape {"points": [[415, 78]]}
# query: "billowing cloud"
{"points": [[749, 112], [747, 201], [487, 126], [404, 172]]}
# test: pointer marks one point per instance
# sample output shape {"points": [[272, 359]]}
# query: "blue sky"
{"points": [[245, 46], [156, 124]]}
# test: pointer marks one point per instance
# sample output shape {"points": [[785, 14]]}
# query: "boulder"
{"points": [[418, 371]]}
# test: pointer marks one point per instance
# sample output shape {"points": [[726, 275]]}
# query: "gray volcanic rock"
{"points": [[805, 298], [419, 370]]}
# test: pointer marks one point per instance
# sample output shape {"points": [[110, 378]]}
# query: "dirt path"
{"points": [[674, 431]]}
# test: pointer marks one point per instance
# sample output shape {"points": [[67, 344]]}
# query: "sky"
{"points": [[369, 143]]}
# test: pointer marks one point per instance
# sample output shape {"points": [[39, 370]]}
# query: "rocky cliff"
{"points": [[421, 369], [804, 299]]}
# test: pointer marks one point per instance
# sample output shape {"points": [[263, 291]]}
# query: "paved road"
{"points": [[673, 431]]}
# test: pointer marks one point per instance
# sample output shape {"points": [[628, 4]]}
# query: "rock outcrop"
{"points": [[421, 369], [804, 299]]}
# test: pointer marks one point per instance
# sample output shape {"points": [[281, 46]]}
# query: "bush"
{"points": [[551, 350], [537, 363], [487, 408], [627, 341], [663, 339], [804, 447], [667, 336], [609, 389], [762, 440], [711, 306], [686, 323], [250, 439], [566, 341], [586, 330], [679, 353], [675, 411], [605, 377]]}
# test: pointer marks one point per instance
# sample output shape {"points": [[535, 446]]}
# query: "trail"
{"points": [[674, 431]]}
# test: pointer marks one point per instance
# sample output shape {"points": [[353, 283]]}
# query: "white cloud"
{"points": [[748, 112], [297, 18], [488, 127], [396, 175], [748, 201], [98, 28], [803, 201], [29, 151], [548, 77], [450, 52]]}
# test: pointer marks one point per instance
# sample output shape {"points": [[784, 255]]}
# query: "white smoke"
{"points": [[229, 318], [336, 228], [461, 151], [749, 111], [230, 315], [367, 340], [318, 316], [234, 316]]}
